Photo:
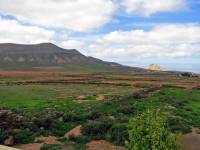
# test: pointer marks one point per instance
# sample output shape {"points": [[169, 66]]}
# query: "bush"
{"points": [[51, 147], [175, 102], [71, 117], [177, 124], [23, 136], [126, 109], [118, 134], [45, 122], [80, 139], [186, 74], [96, 129], [61, 128], [121, 118], [149, 131], [94, 115]]}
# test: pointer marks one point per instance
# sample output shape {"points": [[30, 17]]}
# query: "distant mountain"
{"points": [[51, 57]]}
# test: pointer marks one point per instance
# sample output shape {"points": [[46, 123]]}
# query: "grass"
{"points": [[186, 102], [57, 96], [34, 99], [180, 102], [65, 68]]}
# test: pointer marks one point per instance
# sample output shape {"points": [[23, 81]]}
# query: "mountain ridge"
{"points": [[22, 56]]}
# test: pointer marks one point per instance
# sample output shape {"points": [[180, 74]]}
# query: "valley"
{"points": [[48, 105]]}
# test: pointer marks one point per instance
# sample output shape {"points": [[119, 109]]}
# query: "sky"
{"points": [[130, 32]]}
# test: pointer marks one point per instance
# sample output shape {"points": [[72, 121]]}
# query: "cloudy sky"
{"points": [[131, 32]]}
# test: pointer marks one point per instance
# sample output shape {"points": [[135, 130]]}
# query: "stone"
{"points": [[76, 132], [10, 119], [9, 141]]}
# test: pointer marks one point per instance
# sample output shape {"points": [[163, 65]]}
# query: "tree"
{"points": [[149, 131]]}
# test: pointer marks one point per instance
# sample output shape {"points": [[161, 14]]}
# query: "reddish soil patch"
{"points": [[34, 146], [43, 77], [48, 140], [103, 145], [76, 132], [37, 146], [191, 141]]}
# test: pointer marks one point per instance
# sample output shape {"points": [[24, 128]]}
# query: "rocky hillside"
{"points": [[16, 56]]}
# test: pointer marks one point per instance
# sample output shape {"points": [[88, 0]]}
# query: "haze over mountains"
{"points": [[47, 55]]}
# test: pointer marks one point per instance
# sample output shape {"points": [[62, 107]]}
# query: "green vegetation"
{"points": [[96, 129], [23, 136], [52, 96], [118, 134], [51, 147], [150, 131], [53, 109]]}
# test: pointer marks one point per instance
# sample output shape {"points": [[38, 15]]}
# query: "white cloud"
{"points": [[12, 31], [73, 44], [162, 41], [149, 7], [76, 15]]}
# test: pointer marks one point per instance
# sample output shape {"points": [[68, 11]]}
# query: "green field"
{"points": [[54, 109]]}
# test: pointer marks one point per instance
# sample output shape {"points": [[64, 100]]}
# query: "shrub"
{"points": [[126, 109], [80, 139], [120, 117], [71, 117], [186, 74], [150, 131], [51, 147], [96, 129], [177, 124], [44, 122], [94, 115], [61, 128], [175, 102], [62, 139], [23, 136], [118, 134]]}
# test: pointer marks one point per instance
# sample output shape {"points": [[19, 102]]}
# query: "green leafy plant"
{"points": [[96, 129], [178, 124], [23, 136], [149, 131], [118, 134]]}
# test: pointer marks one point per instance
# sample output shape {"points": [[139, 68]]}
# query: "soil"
{"points": [[191, 141], [48, 140], [103, 145], [33, 146], [76, 132], [37, 146]]}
